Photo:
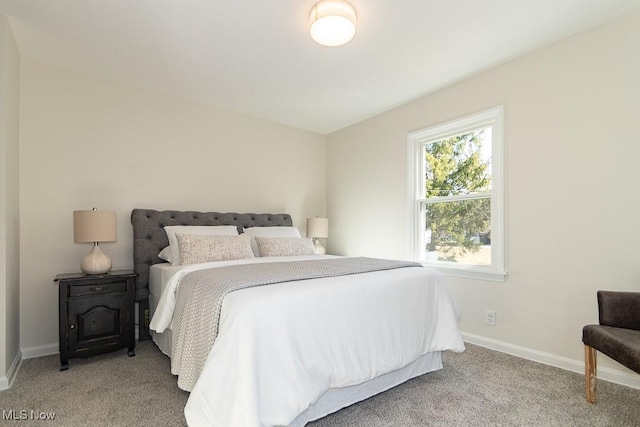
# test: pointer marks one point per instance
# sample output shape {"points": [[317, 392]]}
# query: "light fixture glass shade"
{"points": [[92, 227], [332, 22]]}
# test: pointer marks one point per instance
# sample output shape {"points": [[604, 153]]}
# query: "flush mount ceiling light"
{"points": [[332, 22]]}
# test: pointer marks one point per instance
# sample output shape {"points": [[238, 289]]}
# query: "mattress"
{"points": [[159, 277]]}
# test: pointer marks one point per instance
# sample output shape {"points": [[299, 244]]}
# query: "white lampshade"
{"points": [[92, 227], [332, 22], [318, 228]]}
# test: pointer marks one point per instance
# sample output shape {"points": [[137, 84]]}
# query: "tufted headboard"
{"points": [[149, 237]]}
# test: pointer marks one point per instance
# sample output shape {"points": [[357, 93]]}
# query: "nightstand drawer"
{"points": [[97, 288]]}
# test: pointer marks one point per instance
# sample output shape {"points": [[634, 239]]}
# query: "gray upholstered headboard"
{"points": [[149, 237]]}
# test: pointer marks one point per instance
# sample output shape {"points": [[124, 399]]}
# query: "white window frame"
{"points": [[493, 118]]}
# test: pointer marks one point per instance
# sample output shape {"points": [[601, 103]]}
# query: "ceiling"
{"points": [[256, 57]]}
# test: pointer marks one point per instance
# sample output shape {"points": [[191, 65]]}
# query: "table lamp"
{"points": [[318, 228], [94, 226]]}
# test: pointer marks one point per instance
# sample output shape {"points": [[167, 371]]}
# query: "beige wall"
{"points": [[9, 203], [88, 142], [572, 150]]}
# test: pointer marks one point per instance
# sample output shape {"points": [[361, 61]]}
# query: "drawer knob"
{"points": [[97, 288], [71, 326]]}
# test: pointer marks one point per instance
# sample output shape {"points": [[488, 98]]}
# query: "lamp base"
{"points": [[319, 249], [96, 261]]}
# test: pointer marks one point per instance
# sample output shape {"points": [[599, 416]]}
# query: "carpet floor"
{"points": [[479, 387]]}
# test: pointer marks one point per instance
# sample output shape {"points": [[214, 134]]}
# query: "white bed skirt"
{"points": [[336, 398], [162, 340]]}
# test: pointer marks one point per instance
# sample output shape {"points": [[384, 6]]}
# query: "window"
{"points": [[457, 206]]}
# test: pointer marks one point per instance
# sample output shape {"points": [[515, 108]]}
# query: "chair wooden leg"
{"points": [[590, 373]]}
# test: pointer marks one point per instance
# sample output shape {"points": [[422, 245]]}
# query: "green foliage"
{"points": [[454, 166]]}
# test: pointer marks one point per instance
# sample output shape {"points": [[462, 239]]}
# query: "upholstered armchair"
{"points": [[617, 335]]}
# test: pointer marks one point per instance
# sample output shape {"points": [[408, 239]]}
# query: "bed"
{"points": [[298, 348]]}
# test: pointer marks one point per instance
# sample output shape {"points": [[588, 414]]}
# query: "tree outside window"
{"points": [[457, 204]]}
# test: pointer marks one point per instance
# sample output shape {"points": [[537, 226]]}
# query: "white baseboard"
{"points": [[572, 365], [40, 350], [7, 381], [48, 349]]}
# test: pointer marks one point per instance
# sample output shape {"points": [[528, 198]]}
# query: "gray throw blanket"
{"points": [[201, 293]]}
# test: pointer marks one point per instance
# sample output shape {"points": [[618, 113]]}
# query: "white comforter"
{"points": [[280, 347]]}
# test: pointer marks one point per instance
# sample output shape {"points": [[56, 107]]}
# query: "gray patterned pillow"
{"points": [[195, 249], [284, 246]]}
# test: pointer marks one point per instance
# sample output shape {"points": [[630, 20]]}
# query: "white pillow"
{"points": [[285, 246], [165, 254], [196, 249], [269, 232], [200, 230]]}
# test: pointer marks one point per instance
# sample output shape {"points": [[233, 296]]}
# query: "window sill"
{"points": [[468, 272]]}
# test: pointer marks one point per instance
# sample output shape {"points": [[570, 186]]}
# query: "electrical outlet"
{"points": [[490, 317]]}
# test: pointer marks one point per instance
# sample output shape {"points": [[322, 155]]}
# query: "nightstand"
{"points": [[96, 314]]}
